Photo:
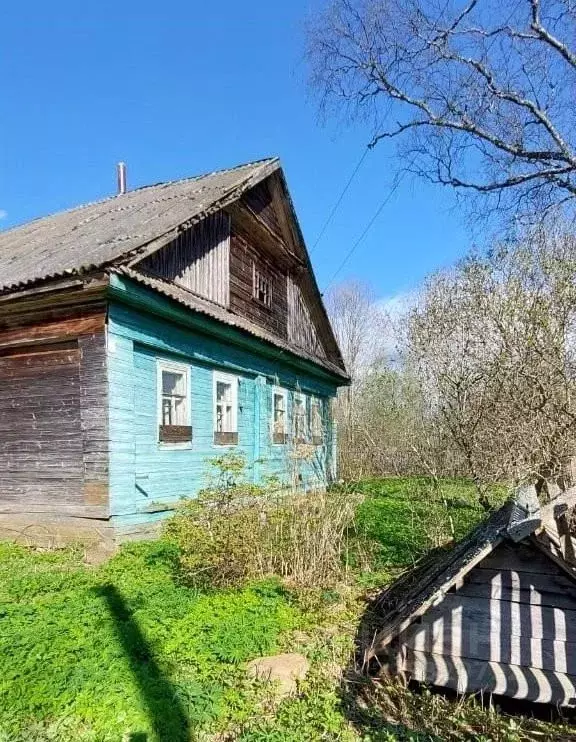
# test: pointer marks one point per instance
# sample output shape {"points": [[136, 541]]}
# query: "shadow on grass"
{"points": [[168, 718]]}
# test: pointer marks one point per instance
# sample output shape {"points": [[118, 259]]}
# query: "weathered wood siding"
{"points": [[261, 202], [53, 418], [198, 259], [510, 629], [302, 330], [147, 477], [244, 258]]}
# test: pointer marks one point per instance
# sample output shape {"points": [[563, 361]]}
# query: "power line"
{"points": [[394, 185], [339, 201], [367, 228]]}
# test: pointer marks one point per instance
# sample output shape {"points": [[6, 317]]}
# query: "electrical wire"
{"points": [[339, 201], [367, 228]]}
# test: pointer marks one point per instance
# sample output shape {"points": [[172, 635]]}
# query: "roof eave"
{"points": [[127, 288]]}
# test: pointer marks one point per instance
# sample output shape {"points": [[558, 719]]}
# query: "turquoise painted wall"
{"points": [[145, 475]]}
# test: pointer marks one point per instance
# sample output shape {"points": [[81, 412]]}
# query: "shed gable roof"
{"points": [[417, 591]]}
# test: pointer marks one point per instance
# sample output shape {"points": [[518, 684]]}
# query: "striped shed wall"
{"points": [[147, 476]]}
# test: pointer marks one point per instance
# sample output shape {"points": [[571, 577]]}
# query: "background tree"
{"points": [[359, 326], [383, 417], [479, 94], [492, 344]]}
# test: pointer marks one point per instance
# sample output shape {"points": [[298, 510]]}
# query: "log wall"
{"points": [[244, 259], [53, 422], [510, 629]]}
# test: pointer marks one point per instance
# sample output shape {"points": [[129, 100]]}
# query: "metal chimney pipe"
{"points": [[121, 172]]}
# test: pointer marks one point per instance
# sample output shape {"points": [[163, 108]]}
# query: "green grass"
{"points": [[405, 517], [125, 652], [123, 648]]}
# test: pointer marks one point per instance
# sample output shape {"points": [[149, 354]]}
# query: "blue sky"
{"points": [[179, 88]]}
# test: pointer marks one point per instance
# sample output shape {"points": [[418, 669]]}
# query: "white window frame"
{"points": [[280, 392], [260, 279], [304, 398], [231, 379], [320, 403], [179, 368]]}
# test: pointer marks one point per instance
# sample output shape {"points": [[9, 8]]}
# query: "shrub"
{"points": [[306, 537], [236, 531]]}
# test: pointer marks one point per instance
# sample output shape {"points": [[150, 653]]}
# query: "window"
{"points": [[225, 409], [299, 416], [261, 287], [174, 403], [279, 416], [316, 422]]}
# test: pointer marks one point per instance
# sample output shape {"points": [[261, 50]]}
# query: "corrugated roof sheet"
{"points": [[204, 306], [100, 233]]}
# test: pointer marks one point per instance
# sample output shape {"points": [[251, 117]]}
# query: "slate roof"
{"points": [[98, 234], [417, 590]]}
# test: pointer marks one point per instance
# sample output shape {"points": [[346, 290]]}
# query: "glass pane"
{"points": [[173, 383], [225, 403], [167, 411], [222, 391], [316, 418], [179, 411], [279, 417]]}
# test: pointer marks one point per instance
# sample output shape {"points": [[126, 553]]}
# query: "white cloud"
{"points": [[3, 213], [398, 305], [395, 308]]}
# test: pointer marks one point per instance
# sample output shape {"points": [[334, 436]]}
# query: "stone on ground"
{"points": [[284, 670]]}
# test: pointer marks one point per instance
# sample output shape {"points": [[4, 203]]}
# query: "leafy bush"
{"points": [[236, 531]]}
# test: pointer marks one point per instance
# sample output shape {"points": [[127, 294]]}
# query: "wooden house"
{"points": [[145, 334], [496, 614]]}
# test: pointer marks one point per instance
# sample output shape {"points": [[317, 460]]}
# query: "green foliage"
{"points": [[128, 651], [215, 539], [236, 531], [106, 667], [405, 517], [313, 716]]}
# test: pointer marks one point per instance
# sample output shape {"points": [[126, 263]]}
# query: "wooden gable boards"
{"points": [[197, 258]]}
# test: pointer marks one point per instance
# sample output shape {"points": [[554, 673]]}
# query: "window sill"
{"points": [[280, 439], [175, 434], [225, 439]]}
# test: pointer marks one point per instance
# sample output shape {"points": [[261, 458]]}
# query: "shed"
{"points": [[496, 613]]}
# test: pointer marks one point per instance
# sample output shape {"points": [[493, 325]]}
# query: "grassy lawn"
{"points": [[124, 652]]}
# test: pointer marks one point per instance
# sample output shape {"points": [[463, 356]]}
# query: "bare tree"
{"points": [[479, 93], [360, 329], [493, 345], [358, 325]]}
